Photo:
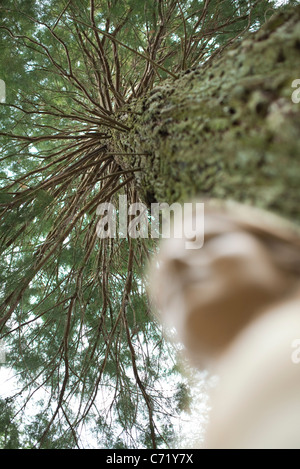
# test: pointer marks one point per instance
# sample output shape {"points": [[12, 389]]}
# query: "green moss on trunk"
{"points": [[228, 130]]}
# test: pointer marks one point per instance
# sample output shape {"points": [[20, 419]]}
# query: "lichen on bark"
{"points": [[228, 129]]}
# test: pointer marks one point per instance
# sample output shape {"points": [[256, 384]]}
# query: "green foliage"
{"points": [[183, 397], [9, 433]]}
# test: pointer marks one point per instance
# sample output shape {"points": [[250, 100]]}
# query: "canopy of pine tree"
{"points": [[156, 100]]}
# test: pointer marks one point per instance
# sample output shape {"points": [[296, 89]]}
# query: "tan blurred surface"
{"points": [[235, 305]]}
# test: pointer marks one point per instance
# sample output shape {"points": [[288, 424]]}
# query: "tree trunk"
{"points": [[228, 129]]}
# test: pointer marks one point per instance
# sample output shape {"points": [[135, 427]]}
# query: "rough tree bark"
{"points": [[228, 129]]}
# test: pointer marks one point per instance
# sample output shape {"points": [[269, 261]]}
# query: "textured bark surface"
{"points": [[228, 130]]}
